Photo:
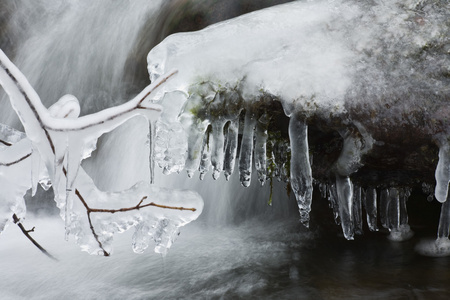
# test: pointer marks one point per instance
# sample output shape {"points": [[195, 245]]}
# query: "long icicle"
{"points": [[261, 148], [301, 174], [444, 220], [246, 154], [217, 154], [371, 208], [231, 148], [357, 210], [442, 173], [344, 188]]}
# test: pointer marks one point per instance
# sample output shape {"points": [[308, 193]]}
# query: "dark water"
{"points": [[253, 260]]}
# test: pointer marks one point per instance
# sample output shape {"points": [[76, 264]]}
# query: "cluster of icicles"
{"points": [[212, 120]]}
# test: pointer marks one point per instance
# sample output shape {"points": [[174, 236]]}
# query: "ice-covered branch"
{"points": [[63, 140]]}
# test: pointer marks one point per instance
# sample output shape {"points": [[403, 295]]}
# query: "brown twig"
{"points": [[16, 161], [26, 233], [112, 211], [139, 206], [5, 143]]}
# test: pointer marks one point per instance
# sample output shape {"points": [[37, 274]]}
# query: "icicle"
{"points": [[444, 221], [384, 204], [344, 188], [404, 195], [371, 208], [441, 246], [151, 154], [205, 161], [195, 144], [141, 238], [35, 170], [260, 147], [301, 175], [334, 204], [393, 217], [397, 215], [442, 173], [217, 155], [231, 148], [246, 154], [357, 210]]}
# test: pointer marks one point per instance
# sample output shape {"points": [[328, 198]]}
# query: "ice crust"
{"points": [[62, 139], [316, 58]]}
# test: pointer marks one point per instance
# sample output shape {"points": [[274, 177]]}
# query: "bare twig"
{"points": [[5, 143], [139, 206], [26, 233]]}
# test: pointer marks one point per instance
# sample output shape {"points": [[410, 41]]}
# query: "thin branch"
{"points": [[95, 235], [26, 233], [77, 192], [16, 161], [139, 206], [156, 86], [5, 143]]}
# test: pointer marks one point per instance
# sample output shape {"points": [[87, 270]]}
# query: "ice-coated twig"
{"points": [[27, 234], [112, 211], [52, 131], [10, 163]]}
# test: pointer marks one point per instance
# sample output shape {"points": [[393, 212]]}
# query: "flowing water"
{"points": [[239, 248]]}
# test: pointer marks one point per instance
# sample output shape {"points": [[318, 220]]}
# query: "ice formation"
{"points": [[61, 140], [339, 63]]}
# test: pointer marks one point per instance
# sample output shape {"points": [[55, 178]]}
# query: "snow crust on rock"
{"points": [[325, 59]]}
